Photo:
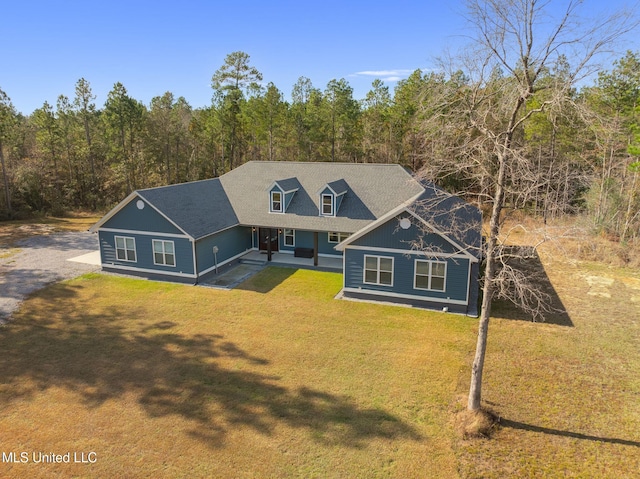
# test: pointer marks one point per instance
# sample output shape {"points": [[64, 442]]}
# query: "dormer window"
{"points": [[327, 205], [331, 196], [281, 194], [276, 202]]}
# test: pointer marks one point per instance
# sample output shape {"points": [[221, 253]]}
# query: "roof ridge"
{"points": [[348, 163], [177, 184]]}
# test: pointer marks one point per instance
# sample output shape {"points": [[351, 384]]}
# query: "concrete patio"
{"points": [[288, 259]]}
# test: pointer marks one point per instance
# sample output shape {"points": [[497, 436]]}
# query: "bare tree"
{"points": [[7, 119], [522, 50]]}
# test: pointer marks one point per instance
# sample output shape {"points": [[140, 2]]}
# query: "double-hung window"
{"points": [[289, 237], [430, 275], [378, 270], [125, 248], [276, 202], [327, 205], [163, 253]]}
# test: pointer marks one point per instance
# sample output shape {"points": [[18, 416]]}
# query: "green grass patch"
{"points": [[278, 379], [273, 379]]}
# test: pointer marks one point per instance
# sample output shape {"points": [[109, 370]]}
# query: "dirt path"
{"points": [[37, 261]]}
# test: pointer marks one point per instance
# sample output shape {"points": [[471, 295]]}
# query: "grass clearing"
{"points": [[278, 379], [274, 379], [567, 391]]}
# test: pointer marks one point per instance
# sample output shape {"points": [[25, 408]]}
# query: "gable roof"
{"points": [[373, 194], [450, 215], [339, 187], [198, 208], [373, 189], [288, 185], [452, 218]]}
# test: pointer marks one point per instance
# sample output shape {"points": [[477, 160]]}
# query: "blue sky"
{"points": [[154, 47]]}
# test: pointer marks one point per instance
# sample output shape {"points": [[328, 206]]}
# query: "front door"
{"points": [[266, 235]]}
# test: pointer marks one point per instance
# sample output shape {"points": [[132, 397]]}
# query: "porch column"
{"points": [[269, 245], [315, 248]]}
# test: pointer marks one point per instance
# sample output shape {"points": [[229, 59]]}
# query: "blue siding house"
{"points": [[400, 239]]}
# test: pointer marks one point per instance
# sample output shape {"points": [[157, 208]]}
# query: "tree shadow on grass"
{"points": [[526, 260], [107, 354], [557, 432]]}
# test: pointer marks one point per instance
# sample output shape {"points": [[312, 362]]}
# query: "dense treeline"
{"points": [[76, 155]]}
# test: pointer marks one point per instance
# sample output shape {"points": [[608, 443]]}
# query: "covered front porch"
{"points": [[288, 259]]}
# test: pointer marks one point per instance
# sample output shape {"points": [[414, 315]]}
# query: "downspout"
{"points": [[195, 261]]}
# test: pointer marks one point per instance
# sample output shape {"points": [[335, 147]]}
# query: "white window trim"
{"points": [[430, 275], [341, 237], [292, 236], [164, 253], [271, 209], [135, 250], [333, 203], [378, 258]]}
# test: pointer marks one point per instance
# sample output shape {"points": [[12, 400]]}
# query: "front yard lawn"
{"points": [[278, 379], [274, 379]]}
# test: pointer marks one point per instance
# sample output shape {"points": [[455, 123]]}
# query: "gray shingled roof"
{"points": [[288, 184], [199, 208], [373, 190], [454, 217], [338, 186]]}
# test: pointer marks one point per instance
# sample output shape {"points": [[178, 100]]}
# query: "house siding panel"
{"points": [[230, 243], [144, 252], [146, 219], [403, 274], [324, 247], [390, 235], [304, 239], [287, 199]]}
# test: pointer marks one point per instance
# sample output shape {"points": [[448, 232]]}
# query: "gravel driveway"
{"points": [[41, 260]]}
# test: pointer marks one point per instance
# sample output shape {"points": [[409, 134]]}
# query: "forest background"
{"points": [[76, 155]]}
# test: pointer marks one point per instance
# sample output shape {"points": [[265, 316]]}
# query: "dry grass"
{"points": [[568, 390], [475, 424], [275, 379], [278, 379]]}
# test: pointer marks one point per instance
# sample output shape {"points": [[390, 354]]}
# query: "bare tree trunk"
{"points": [[475, 388], [5, 179], [629, 214]]}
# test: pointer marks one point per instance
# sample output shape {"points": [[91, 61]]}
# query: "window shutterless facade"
{"points": [[125, 248], [430, 275], [289, 237], [378, 270], [327, 205], [335, 237], [164, 253], [276, 202]]}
